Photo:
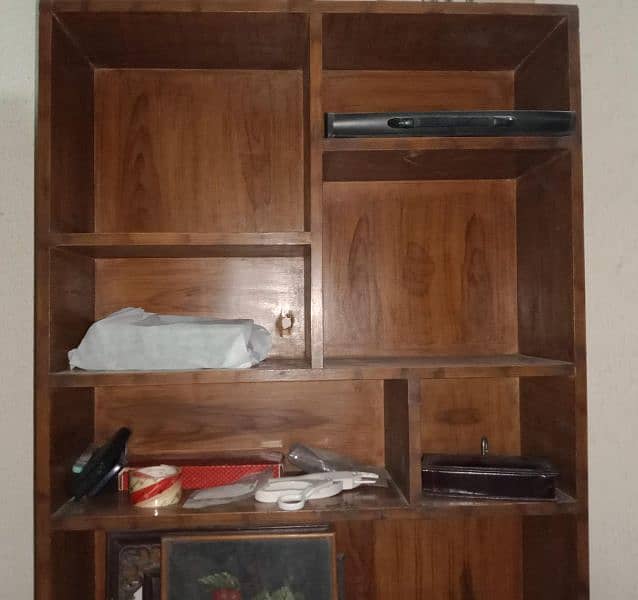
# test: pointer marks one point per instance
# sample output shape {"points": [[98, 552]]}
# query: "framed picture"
{"points": [[268, 566]]}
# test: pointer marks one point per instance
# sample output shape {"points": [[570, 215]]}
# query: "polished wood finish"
{"points": [[114, 512], [388, 91], [189, 40], [431, 165], [73, 303], [457, 413], [433, 42], [437, 284], [514, 365], [173, 154], [411, 269], [449, 559], [224, 287], [247, 417], [545, 261], [71, 135]]}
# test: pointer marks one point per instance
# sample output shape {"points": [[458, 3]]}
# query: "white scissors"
{"points": [[291, 493]]}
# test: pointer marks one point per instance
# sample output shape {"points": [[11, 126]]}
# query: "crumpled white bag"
{"points": [[132, 339]]}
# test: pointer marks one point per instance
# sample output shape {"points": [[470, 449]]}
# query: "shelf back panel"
{"points": [[72, 114], [449, 558], [199, 151], [343, 416], [225, 288], [401, 91], [432, 41], [196, 40], [418, 268], [457, 413]]}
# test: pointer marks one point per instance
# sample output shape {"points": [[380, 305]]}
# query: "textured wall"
{"points": [[17, 69], [610, 102]]}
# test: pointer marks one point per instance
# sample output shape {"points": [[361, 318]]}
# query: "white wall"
{"points": [[17, 69], [609, 55], [610, 104]]}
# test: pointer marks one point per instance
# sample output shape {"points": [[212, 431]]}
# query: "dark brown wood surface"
{"points": [[545, 261], [385, 91], [345, 416], [226, 288], [431, 42], [548, 425], [437, 367], [187, 40], [542, 78], [113, 512], [457, 413], [419, 268], [72, 114], [73, 301], [175, 154], [441, 270], [406, 165]]}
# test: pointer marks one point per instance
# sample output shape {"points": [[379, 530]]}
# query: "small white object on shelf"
{"points": [[133, 339]]}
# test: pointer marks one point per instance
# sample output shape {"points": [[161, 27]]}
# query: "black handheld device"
{"points": [[451, 123], [105, 463]]}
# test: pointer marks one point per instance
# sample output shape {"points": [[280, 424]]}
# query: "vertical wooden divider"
{"points": [[402, 405], [43, 543], [315, 178]]}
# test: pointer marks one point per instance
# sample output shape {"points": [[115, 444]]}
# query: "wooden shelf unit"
{"points": [[436, 284]]}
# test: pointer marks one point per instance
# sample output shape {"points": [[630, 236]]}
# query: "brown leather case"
{"points": [[493, 477]]}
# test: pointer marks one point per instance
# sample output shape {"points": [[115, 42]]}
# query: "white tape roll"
{"points": [[155, 487]]}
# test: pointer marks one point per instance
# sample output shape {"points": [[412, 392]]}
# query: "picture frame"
{"points": [[249, 566]]}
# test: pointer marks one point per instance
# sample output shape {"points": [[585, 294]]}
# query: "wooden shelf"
{"points": [[114, 512], [447, 143], [177, 245], [508, 365]]}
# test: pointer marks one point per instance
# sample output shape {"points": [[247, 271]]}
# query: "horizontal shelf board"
{"points": [[327, 6], [507, 365], [470, 507], [113, 512], [122, 245], [448, 143]]}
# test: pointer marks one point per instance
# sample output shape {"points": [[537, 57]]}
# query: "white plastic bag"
{"points": [[132, 339]]}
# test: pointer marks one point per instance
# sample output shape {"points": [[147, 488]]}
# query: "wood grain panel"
{"points": [[397, 165], [545, 261], [550, 555], [402, 435], [432, 42], [344, 416], [255, 288], [72, 568], [71, 193], [72, 421], [72, 303], [355, 539], [401, 91], [193, 40], [456, 413], [548, 426], [542, 79], [419, 268], [468, 559], [199, 151]]}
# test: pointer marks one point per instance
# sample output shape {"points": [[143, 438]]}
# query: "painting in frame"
{"points": [[269, 566]]}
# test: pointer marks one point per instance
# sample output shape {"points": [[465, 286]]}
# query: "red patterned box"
{"points": [[197, 475]]}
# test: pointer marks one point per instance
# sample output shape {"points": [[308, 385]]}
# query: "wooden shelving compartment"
{"points": [[436, 284]]}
